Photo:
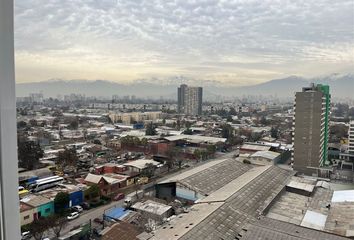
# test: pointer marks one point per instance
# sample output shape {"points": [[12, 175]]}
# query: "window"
{"points": [[26, 217], [47, 210]]}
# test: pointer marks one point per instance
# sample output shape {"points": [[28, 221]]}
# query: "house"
{"points": [[27, 213], [107, 185], [44, 207], [140, 165]]}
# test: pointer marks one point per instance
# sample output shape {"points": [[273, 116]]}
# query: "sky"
{"points": [[240, 42]]}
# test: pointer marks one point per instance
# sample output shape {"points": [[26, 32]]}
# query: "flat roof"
{"points": [[195, 138], [300, 185], [183, 223], [314, 220], [152, 207], [343, 196]]}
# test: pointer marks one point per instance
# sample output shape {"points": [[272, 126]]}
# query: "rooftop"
{"points": [[152, 207]]}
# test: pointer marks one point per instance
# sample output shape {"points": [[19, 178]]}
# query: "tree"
{"points": [[38, 227], [148, 171], [173, 156], [188, 131], [68, 157], [232, 111], [21, 124], [33, 122], [211, 149], [150, 129], [229, 118], [263, 121], [74, 124], [61, 202], [29, 154], [93, 192], [58, 223], [226, 131], [274, 132]]}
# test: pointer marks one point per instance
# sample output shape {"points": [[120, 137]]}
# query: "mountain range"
{"points": [[341, 85]]}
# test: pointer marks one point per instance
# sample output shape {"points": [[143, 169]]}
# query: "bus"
{"points": [[45, 183]]}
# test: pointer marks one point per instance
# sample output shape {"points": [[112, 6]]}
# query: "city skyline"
{"points": [[239, 42]]}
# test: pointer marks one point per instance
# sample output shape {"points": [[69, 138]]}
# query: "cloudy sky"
{"points": [[233, 41]]}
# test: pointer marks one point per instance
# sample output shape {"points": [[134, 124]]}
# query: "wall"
{"points": [[46, 210], [76, 198], [28, 213]]}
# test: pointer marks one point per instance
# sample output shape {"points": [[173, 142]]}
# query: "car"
{"points": [[85, 205], [73, 215], [119, 196], [98, 220], [77, 208], [26, 235]]}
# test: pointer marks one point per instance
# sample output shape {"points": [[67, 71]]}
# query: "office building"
{"points": [[312, 107], [190, 100]]}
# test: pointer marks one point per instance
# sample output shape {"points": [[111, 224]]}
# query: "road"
{"points": [[91, 214]]}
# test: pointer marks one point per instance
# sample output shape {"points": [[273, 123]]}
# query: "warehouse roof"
{"points": [[211, 176], [225, 215], [268, 228], [152, 207], [266, 154], [196, 138]]}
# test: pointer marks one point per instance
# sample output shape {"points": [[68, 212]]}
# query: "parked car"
{"points": [[26, 235], [85, 205], [73, 215], [98, 220], [77, 208], [119, 196]]}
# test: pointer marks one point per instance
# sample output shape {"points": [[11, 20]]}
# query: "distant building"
{"points": [[190, 100], [312, 108], [351, 140], [348, 153]]}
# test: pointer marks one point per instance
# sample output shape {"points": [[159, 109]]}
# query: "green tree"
{"points": [[229, 118], [74, 124], [93, 192], [226, 131], [33, 123], [274, 132], [150, 129], [21, 124], [61, 202], [149, 170], [188, 131], [29, 154]]}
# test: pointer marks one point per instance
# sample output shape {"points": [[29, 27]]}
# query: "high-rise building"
{"points": [[351, 141], [190, 100], [312, 109]]}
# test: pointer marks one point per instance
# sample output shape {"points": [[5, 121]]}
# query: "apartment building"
{"points": [[190, 100], [312, 109]]}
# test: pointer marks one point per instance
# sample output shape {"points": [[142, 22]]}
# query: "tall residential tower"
{"points": [[190, 100], [312, 108]]}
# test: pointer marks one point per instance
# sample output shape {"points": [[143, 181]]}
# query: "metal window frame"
{"points": [[9, 201]]}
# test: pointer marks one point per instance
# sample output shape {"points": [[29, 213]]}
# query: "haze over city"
{"points": [[234, 42]]}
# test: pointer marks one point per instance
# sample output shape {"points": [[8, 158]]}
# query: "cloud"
{"points": [[123, 39]]}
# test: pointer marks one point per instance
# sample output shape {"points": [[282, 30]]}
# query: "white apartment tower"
{"points": [[190, 100]]}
